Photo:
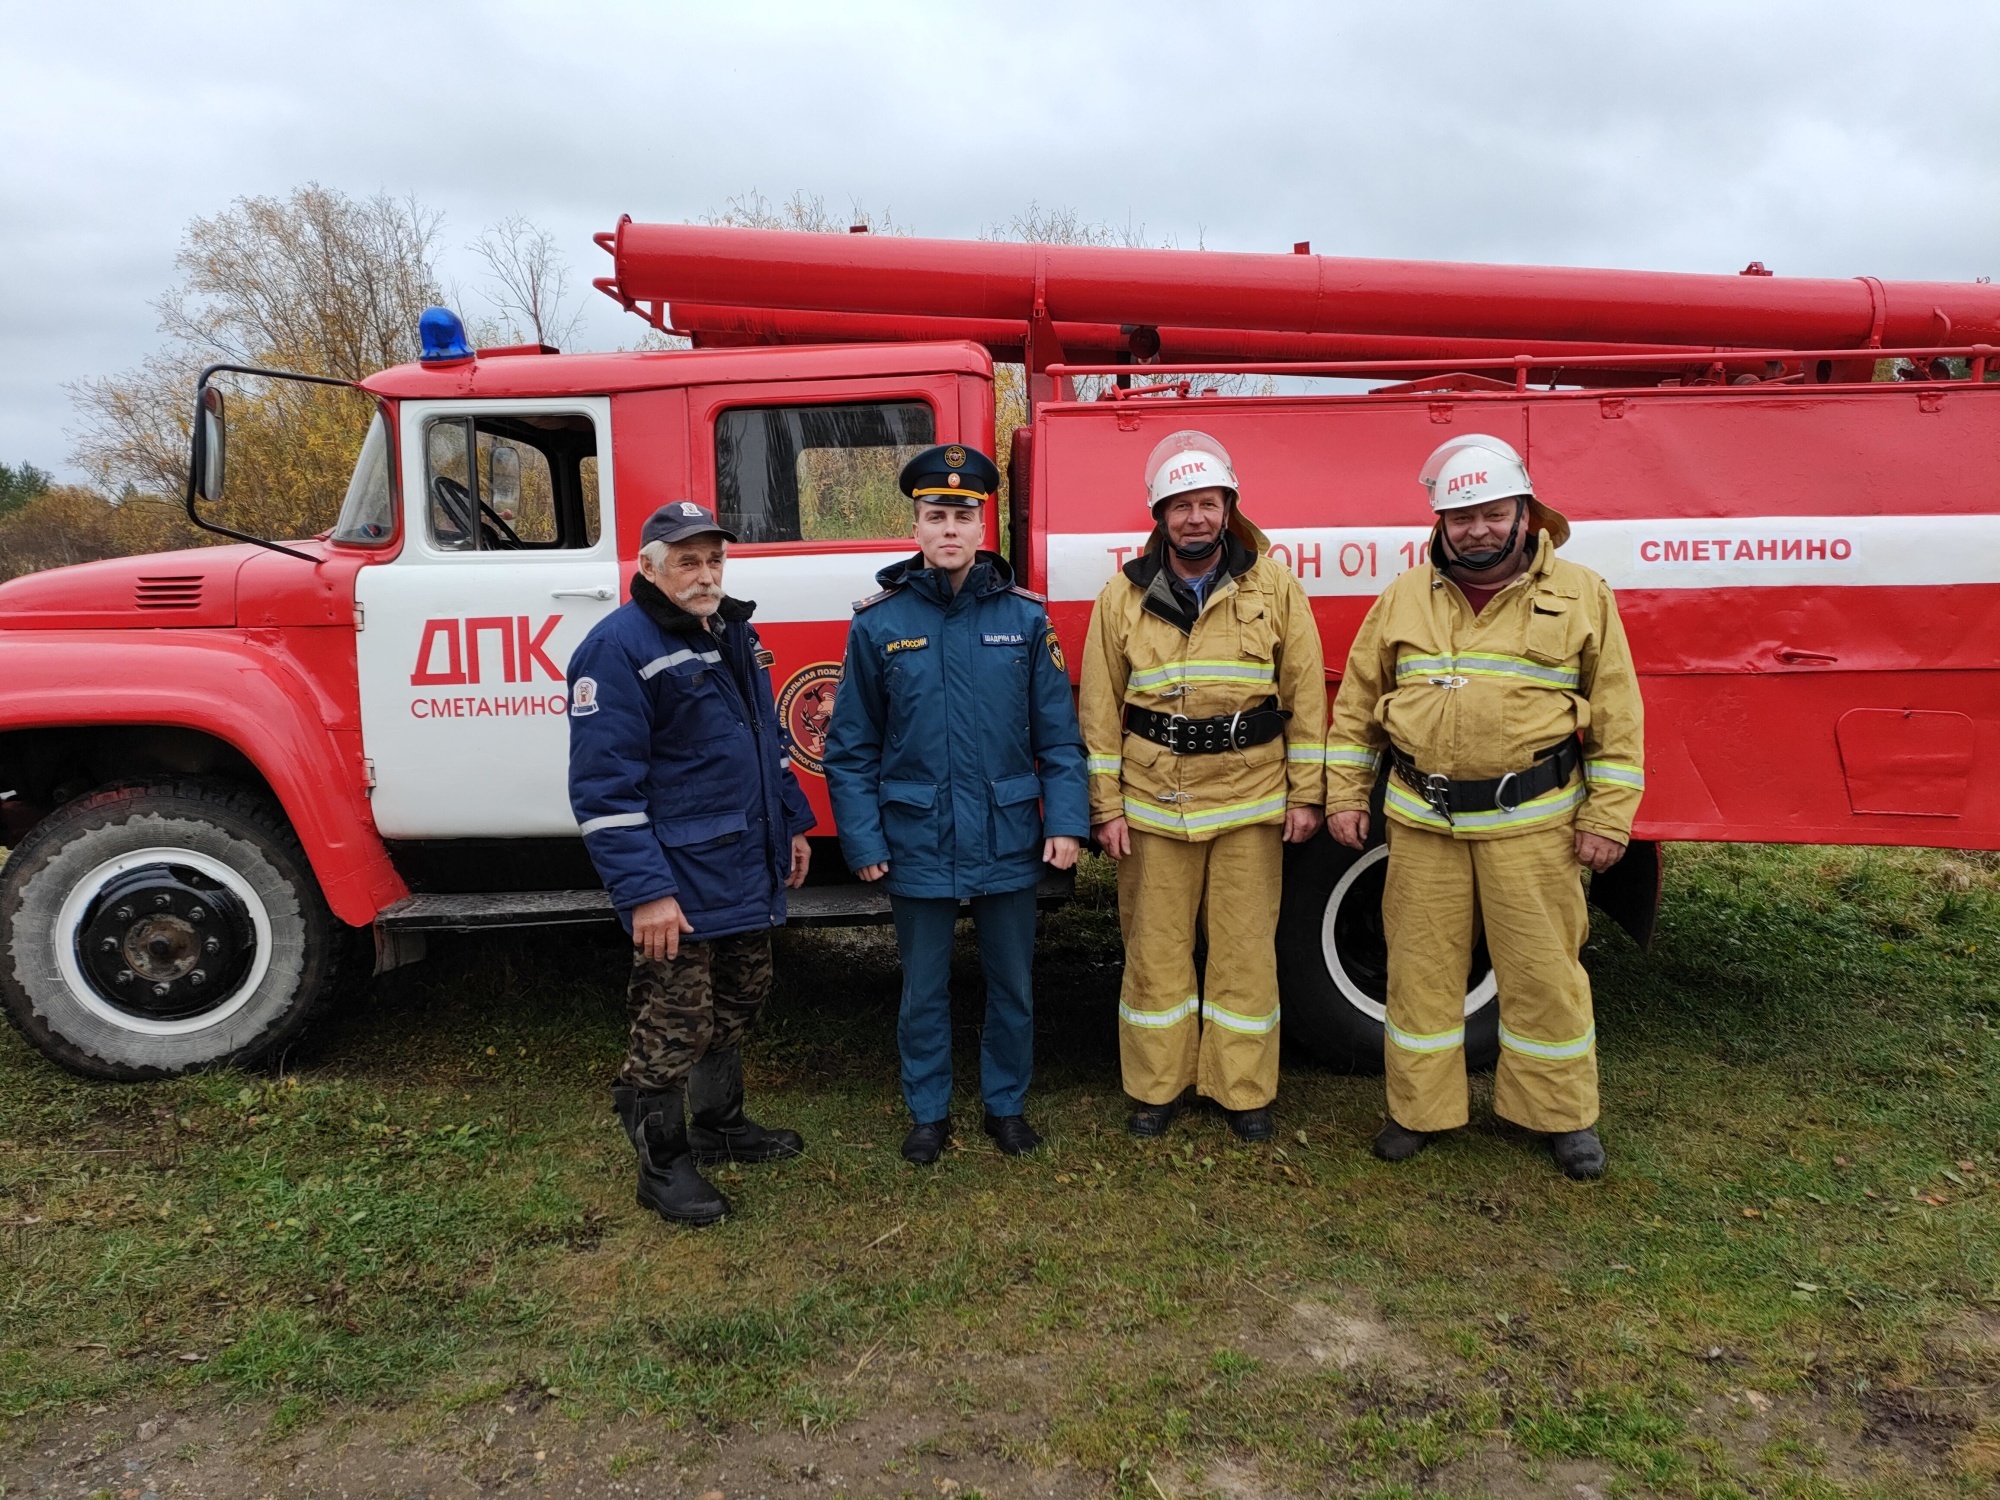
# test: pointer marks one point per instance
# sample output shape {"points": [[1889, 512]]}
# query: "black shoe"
{"points": [[1150, 1120], [669, 1182], [926, 1142], [1012, 1134], [1394, 1143], [720, 1131], [1251, 1124], [1579, 1153]]}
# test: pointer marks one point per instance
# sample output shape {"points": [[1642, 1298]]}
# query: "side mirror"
{"points": [[210, 445], [504, 480]]}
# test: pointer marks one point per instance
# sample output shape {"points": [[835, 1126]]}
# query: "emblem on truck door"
{"points": [[805, 708]]}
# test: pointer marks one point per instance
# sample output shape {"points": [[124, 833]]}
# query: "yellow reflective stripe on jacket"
{"points": [[1613, 773], [1309, 754], [1353, 755], [1235, 1021], [1486, 664], [1104, 765], [1553, 1051], [1169, 821], [1411, 1041], [1154, 678], [1156, 1019], [1536, 810]]}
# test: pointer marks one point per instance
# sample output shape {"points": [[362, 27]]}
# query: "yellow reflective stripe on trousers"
{"points": [[1536, 810], [1105, 765], [1615, 773], [1553, 1051], [1411, 1041], [1235, 1021], [1488, 664], [1149, 816], [1158, 1018], [1153, 678], [1352, 755]]}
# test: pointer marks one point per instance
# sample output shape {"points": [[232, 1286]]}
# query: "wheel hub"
{"points": [[165, 941]]}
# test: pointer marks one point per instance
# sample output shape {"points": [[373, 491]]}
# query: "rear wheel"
{"points": [[149, 929], [1333, 961]]}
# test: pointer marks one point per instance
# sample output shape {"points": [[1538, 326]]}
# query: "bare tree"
{"points": [[530, 281], [803, 212]]}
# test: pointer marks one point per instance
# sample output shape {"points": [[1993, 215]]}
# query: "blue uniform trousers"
{"points": [[1006, 926]]}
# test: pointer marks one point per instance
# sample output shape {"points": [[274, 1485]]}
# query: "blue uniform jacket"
{"points": [[954, 743], [679, 774]]}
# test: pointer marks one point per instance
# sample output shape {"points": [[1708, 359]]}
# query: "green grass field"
{"points": [[421, 1222]]}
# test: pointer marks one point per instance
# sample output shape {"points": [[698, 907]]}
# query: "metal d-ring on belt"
{"points": [[1185, 736], [1552, 768]]}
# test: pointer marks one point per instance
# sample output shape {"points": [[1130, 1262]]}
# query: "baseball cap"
{"points": [[680, 519]]}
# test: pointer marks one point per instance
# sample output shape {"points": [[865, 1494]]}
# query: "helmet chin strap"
{"points": [[1208, 549], [1485, 562]]}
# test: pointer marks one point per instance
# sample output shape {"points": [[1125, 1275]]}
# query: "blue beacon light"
{"points": [[443, 337]]}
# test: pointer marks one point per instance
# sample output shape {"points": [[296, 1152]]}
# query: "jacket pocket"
{"points": [[1554, 630], [713, 863], [910, 820], [1256, 636], [1017, 816]]}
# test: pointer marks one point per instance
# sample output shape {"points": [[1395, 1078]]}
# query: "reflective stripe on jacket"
{"points": [[1475, 696], [1253, 639]]}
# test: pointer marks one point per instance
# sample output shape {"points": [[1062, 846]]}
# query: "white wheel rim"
{"points": [[70, 918], [1476, 997]]}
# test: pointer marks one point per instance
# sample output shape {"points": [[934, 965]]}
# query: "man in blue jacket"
{"points": [[955, 766], [684, 792]]}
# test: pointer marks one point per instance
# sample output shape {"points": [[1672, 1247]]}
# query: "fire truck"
{"points": [[234, 777]]}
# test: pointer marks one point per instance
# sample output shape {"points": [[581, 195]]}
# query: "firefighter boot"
{"points": [[720, 1131], [1149, 1120], [669, 1182], [1394, 1143], [1579, 1153]]}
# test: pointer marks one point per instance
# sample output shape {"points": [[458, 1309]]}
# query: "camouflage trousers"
{"points": [[681, 1007]]}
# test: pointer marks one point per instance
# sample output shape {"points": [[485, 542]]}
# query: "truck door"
{"points": [[509, 557]]}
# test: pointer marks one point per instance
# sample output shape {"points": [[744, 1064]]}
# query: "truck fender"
{"points": [[254, 695]]}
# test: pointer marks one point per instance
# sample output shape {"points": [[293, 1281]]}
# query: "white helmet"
{"points": [[1187, 460], [1472, 470]]}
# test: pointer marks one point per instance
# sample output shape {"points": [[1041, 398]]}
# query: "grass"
{"points": [[1789, 1283]]}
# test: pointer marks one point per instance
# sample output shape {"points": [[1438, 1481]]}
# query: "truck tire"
{"points": [[1333, 962], [152, 928]]}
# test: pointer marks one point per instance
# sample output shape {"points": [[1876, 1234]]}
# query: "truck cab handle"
{"points": [[600, 592]]}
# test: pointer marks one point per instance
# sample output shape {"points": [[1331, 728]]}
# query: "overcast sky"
{"points": [[1821, 138]]}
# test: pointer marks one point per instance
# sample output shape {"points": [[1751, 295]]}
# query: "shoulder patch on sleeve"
{"points": [[874, 599], [583, 698], [1055, 651], [1015, 588]]}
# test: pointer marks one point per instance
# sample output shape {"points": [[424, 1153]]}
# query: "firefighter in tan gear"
{"points": [[1204, 709], [1496, 680]]}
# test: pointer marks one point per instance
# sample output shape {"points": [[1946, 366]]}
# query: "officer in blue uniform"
{"points": [[956, 770], [684, 793]]}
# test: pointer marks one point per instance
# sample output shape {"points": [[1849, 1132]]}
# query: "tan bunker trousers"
{"points": [[1225, 1039], [1528, 889]]}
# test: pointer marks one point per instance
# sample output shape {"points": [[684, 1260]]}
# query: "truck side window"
{"points": [[511, 483], [817, 473]]}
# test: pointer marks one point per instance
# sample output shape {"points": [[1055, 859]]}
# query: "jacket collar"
{"points": [[1150, 573], [670, 617], [991, 574]]}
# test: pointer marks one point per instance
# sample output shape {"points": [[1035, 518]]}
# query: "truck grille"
{"points": [[168, 592]]}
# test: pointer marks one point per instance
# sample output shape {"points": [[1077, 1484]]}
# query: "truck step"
{"points": [[476, 911]]}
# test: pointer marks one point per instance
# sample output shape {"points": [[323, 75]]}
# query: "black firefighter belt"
{"points": [[1185, 736], [1552, 768]]}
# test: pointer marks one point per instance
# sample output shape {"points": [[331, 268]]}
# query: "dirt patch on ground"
{"points": [[1329, 1328]]}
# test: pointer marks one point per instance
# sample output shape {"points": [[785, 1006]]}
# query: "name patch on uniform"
{"points": [[1004, 638], [583, 698], [767, 659], [907, 643]]}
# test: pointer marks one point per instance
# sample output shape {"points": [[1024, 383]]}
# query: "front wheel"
{"points": [[1333, 960], [149, 929]]}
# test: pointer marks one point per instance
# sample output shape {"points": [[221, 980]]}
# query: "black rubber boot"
{"points": [[720, 1131], [926, 1141], [1251, 1124], [1149, 1120], [1579, 1153], [669, 1182], [1012, 1133], [1394, 1143]]}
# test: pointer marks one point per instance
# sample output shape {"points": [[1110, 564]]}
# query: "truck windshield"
{"points": [[368, 514]]}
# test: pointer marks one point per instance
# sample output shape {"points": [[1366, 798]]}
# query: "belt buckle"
{"points": [[1509, 782], [1176, 729], [1436, 792]]}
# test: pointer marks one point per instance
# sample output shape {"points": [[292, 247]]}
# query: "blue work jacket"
{"points": [[679, 774], [954, 749]]}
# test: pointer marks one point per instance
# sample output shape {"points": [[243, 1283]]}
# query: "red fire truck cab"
{"points": [[233, 775]]}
